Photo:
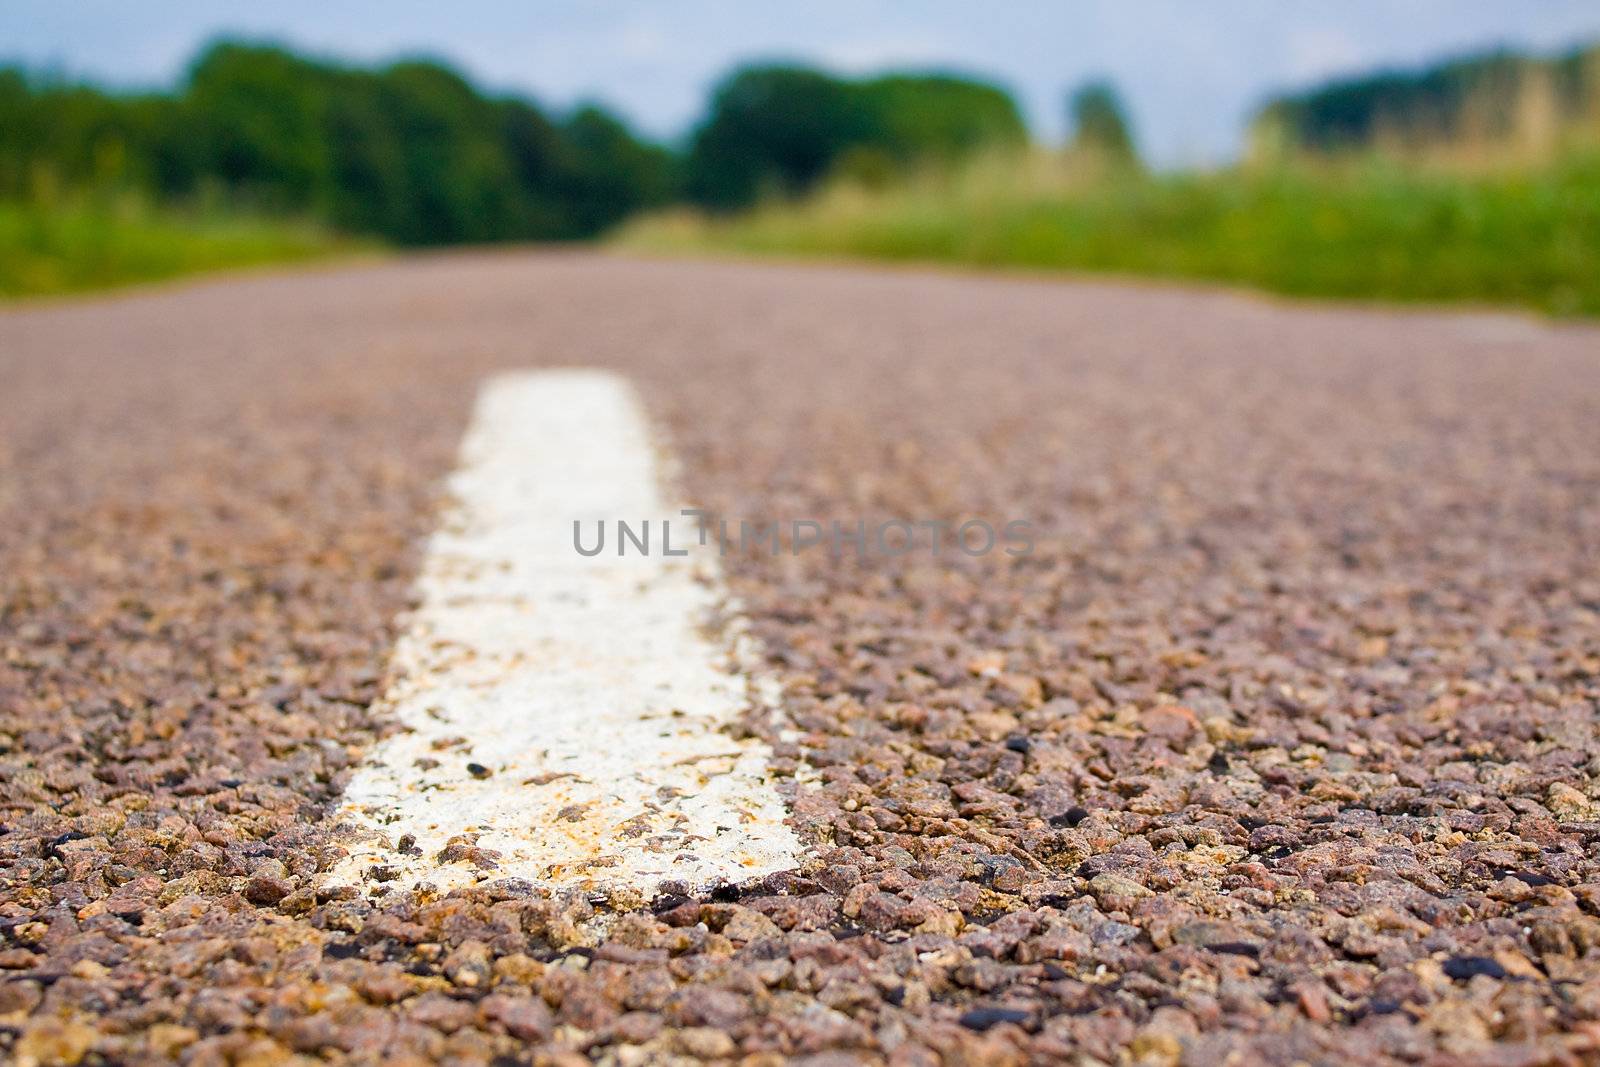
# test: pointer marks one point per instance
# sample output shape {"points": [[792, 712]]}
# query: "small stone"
{"points": [[1462, 968], [1218, 937], [469, 965], [518, 968], [1116, 893], [744, 924], [839, 878], [1313, 1001], [943, 922], [524, 1018], [267, 890], [18, 998], [1027, 690], [1565, 802], [987, 664], [1071, 817], [53, 1043], [386, 986], [991, 725], [705, 1042], [1156, 1048], [1173, 723], [982, 1019], [168, 1039]]}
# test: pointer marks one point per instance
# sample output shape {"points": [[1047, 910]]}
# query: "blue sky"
{"points": [[1191, 72]]}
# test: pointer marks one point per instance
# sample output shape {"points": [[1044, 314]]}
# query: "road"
{"points": [[1281, 743]]}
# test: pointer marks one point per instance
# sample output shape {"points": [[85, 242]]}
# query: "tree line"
{"points": [[411, 152], [416, 154], [1498, 99]]}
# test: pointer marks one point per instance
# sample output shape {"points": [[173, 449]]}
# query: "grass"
{"points": [[95, 243], [1356, 229]]}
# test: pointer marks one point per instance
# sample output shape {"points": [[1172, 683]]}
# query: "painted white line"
{"points": [[564, 713]]}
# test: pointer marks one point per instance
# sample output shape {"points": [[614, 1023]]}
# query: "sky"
{"points": [[1190, 73]]}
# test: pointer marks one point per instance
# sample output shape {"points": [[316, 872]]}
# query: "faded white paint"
{"points": [[585, 689]]}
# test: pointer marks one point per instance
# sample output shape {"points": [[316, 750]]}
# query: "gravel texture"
{"points": [[1282, 746]]}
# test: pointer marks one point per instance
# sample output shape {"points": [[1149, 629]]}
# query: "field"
{"points": [[1363, 228], [99, 242]]}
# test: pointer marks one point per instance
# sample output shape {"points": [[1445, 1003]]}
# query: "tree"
{"points": [[1099, 123], [940, 116], [781, 129], [772, 129], [258, 111], [610, 174]]}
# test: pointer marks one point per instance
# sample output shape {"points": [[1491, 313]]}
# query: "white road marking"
{"points": [[564, 713]]}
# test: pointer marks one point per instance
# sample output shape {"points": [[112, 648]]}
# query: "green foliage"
{"points": [[918, 117], [1363, 229], [410, 152], [611, 174], [772, 129], [781, 129], [86, 244], [414, 154], [1099, 122], [257, 115], [1477, 97]]}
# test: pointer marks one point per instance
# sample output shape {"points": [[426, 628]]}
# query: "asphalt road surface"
{"points": [[1281, 745]]}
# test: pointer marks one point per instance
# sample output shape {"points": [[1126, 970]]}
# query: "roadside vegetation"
{"points": [[410, 153], [1476, 180], [1363, 228], [263, 155], [95, 244]]}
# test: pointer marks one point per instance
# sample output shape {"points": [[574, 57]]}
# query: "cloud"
{"points": [[865, 55], [1315, 52], [642, 41]]}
